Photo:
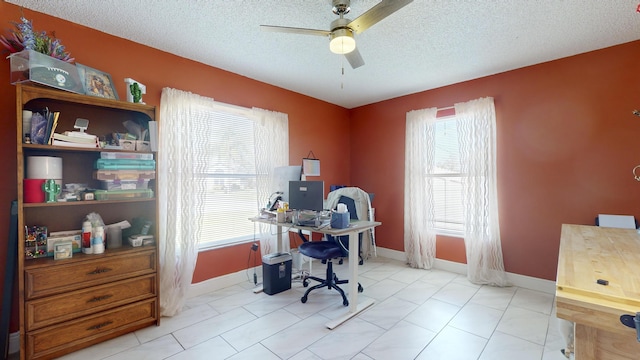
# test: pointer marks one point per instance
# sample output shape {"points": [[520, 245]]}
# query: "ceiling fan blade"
{"points": [[293, 30], [376, 13], [354, 58]]}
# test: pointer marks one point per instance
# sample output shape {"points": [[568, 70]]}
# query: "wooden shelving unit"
{"points": [[69, 304]]}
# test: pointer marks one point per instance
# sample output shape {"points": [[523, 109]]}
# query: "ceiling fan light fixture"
{"points": [[342, 41]]}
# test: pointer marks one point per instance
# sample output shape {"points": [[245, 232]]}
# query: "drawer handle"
{"points": [[99, 271], [99, 298], [99, 326]]}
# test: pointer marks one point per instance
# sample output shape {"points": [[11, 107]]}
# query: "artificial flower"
{"points": [[24, 37]]}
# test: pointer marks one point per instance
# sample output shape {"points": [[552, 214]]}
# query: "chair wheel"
{"points": [[303, 299], [305, 283], [345, 302], [360, 288], [340, 261], [360, 262]]}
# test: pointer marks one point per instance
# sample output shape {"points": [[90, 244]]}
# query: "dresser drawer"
{"points": [[63, 278], [60, 339], [54, 309]]}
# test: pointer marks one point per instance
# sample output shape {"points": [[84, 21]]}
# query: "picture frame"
{"points": [[97, 83], [310, 167]]}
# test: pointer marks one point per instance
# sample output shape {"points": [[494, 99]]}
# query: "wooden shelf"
{"points": [[86, 203]]}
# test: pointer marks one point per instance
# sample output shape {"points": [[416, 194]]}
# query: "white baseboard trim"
{"points": [[523, 281], [14, 343], [223, 281], [220, 282]]}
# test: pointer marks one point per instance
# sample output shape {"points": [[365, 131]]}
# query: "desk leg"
{"points": [[585, 342], [354, 307], [279, 245]]}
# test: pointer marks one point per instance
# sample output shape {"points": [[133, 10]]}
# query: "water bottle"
{"points": [[97, 242]]}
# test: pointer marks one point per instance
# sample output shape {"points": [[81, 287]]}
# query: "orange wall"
{"points": [[567, 143]]}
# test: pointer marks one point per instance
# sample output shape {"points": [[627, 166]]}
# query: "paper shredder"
{"points": [[276, 273]]}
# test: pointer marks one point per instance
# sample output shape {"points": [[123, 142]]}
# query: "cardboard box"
{"points": [[74, 236]]}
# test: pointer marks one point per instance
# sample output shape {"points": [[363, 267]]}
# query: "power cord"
{"points": [[254, 249]]}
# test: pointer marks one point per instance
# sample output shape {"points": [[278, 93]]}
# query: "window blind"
{"points": [[228, 174], [447, 178]]}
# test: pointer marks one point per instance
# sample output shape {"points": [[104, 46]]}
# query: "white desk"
{"points": [[355, 227]]}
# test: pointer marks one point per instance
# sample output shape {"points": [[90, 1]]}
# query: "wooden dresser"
{"points": [[589, 253]]}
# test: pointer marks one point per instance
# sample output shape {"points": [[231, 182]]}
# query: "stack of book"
{"points": [[75, 139], [43, 124]]}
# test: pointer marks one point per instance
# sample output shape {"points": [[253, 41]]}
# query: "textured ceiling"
{"points": [[425, 45]]}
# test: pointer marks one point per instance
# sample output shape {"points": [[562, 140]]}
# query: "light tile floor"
{"points": [[418, 314]]}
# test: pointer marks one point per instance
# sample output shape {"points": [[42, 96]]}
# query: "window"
{"points": [[446, 178], [218, 159], [228, 177]]}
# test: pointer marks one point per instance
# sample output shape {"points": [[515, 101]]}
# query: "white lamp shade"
{"points": [[342, 42]]}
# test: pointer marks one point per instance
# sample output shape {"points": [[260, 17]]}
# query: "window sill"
{"points": [[213, 245], [450, 233]]}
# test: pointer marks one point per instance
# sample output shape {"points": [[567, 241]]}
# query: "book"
{"points": [[74, 144], [74, 139], [54, 125], [153, 135]]}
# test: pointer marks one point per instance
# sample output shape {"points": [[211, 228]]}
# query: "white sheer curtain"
{"points": [[419, 233], [477, 140], [180, 197], [272, 150]]}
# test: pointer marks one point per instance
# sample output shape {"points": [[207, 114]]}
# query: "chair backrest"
{"points": [[361, 201], [351, 206], [358, 204]]}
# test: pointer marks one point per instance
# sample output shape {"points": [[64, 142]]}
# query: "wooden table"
{"points": [[355, 227], [589, 253]]}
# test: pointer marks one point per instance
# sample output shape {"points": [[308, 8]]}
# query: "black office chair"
{"points": [[326, 251]]}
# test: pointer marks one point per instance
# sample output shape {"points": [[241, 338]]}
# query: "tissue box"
{"points": [[339, 220]]}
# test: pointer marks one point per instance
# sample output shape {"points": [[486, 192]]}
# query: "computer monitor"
{"points": [[306, 195], [282, 175]]}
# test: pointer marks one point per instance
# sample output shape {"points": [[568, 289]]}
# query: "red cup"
{"points": [[33, 190]]}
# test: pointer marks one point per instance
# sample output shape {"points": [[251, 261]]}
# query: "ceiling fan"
{"points": [[342, 30]]}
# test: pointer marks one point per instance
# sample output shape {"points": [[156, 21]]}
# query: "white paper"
{"points": [[617, 221]]}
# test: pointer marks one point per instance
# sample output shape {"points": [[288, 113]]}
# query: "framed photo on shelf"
{"points": [[96, 82]]}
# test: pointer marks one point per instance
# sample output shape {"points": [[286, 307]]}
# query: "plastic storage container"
{"points": [[134, 175], [124, 184], [30, 65], [126, 155], [123, 194], [125, 164]]}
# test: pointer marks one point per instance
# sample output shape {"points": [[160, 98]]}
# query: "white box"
{"points": [[139, 240]]}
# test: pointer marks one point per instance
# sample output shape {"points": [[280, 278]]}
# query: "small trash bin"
{"points": [[276, 273]]}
